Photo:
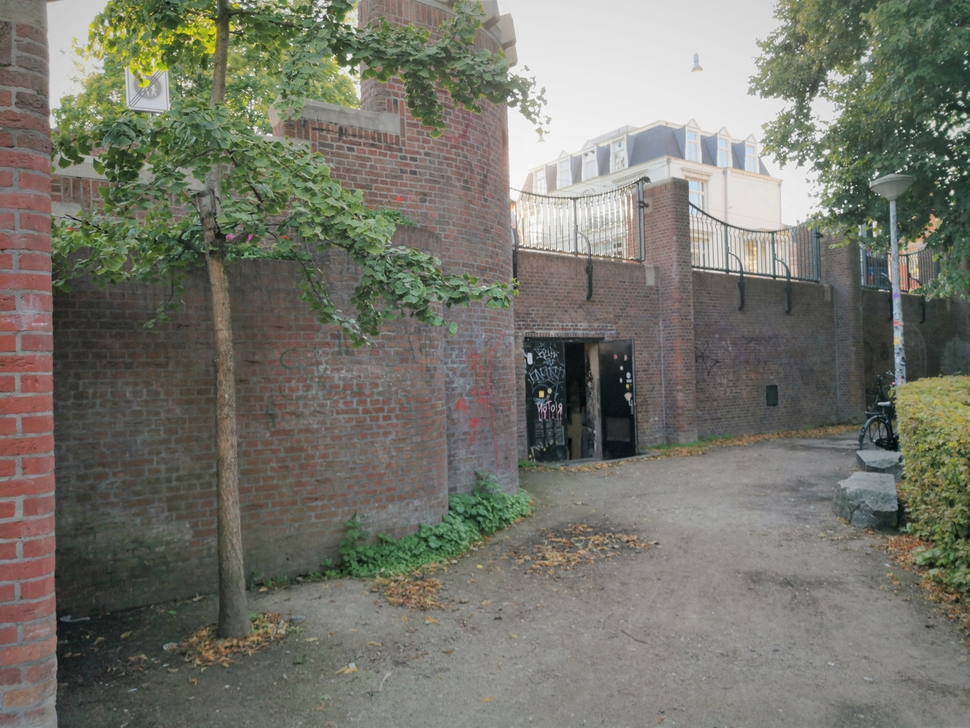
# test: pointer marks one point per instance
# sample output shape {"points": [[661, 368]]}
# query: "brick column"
{"points": [[27, 621], [840, 270], [667, 247]]}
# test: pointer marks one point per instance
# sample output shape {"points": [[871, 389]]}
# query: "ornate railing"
{"points": [[790, 252], [916, 269], [604, 225]]}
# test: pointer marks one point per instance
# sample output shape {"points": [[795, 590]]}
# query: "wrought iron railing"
{"points": [[605, 224], [790, 252], [916, 269]]}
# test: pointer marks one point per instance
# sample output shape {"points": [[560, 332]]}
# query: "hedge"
{"points": [[934, 431]]}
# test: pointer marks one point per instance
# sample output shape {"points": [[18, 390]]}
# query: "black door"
{"points": [[618, 400], [545, 397]]}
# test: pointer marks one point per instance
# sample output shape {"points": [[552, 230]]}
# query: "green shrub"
{"points": [[470, 518], [934, 429]]}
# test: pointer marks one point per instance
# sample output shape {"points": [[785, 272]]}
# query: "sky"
{"points": [[604, 65]]}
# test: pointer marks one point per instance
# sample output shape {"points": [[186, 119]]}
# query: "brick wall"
{"points": [[457, 187], [27, 626], [552, 304], [840, 270], [739, 353], [925, 341], [667, 248], [325, 431]]}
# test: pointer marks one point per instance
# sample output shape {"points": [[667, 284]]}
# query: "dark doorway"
{"points": [[545, 400], [578, 420], [618, 399]]}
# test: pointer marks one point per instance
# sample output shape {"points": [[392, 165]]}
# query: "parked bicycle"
{"points": [[880, 415]]}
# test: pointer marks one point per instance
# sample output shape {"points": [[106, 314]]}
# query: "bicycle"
{"points": [[880, 412]]}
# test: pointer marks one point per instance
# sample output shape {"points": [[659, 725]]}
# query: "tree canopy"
{"points": [[251, 85], [874, 87], [278, 199]]}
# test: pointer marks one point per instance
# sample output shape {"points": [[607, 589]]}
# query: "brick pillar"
{"points": [[667, 247], [27, 621], [840, 270]]}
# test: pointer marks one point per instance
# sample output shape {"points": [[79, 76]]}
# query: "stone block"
{"points": [[881, 461], [868, 500]]}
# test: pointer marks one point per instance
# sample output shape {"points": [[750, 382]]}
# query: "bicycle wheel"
{"points": [[874, 433]]}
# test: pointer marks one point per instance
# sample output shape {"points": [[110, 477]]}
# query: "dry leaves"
{"points": [[417, 591], [574, 545], [955, 606], [204, 649]]}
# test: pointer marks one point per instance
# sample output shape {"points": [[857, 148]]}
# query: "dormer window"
{"points": [[590, 165], [693, 150], [750, 157], [564, 175], [539, 181], [618, 155], [722, 152]]}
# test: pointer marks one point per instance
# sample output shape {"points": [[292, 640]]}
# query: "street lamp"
{"points": [[892, 186]]}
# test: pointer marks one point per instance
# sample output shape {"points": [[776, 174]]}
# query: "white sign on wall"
{"points": [[151, 97]]}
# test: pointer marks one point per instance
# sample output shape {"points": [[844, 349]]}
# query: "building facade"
{"points": [[725, 175]]}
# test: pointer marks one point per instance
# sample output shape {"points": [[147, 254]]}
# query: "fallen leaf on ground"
{"points": [[204, 649], [347, 670], [489, 699]]}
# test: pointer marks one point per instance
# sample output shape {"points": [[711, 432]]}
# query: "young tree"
{"points": [[874, 87], [262, 197]]}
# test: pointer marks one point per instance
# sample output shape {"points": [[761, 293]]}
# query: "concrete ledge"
{"points": [[868, 500], [380, 121], [881, 461]]}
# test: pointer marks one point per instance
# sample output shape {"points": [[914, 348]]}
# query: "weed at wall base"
{"points": [[470, 518]]}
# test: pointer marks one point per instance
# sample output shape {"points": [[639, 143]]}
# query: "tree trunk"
{"points": [[233, 612]]}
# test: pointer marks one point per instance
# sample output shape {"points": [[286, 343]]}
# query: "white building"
{"points": [[726, 176]]}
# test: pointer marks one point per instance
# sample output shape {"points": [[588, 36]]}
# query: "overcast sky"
{"points": [[604, 65]]}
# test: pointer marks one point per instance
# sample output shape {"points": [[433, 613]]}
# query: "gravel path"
{"points": [[754, 608]]}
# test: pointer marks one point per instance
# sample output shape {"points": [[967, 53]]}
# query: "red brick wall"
{"points": [[552, 304], [27, 621], [840, 270], [739, 353], [457, 187], [325, 431], [667, 247]]}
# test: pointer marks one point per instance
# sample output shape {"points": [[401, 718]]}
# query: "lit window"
{"points": [[693, 147], [750, 158], [697, 193], [590, 166], [722, 152], [618, 160], [564, 178]]}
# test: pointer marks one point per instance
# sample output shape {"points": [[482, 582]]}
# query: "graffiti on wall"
{"points": [[545, 375], [476, 407]]}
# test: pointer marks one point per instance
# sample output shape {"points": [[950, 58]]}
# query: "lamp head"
{"points": [[892, 186], [697, 64]]}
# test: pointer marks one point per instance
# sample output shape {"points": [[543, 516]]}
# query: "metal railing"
{"points": [[916, 269], [604, 225], [790, 252]]}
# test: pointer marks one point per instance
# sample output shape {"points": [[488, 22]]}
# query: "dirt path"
{"points": [[756, 608]]}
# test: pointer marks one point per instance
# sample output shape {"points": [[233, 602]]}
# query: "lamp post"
{"points": [[892, 186]]}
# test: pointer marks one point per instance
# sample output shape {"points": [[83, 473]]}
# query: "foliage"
{"points": [[934, 426], [277, 198], [251, 86], [874, 87], [470, 518]]}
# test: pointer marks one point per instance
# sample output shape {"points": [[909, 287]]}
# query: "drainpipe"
{"points": [[727, 214]]}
